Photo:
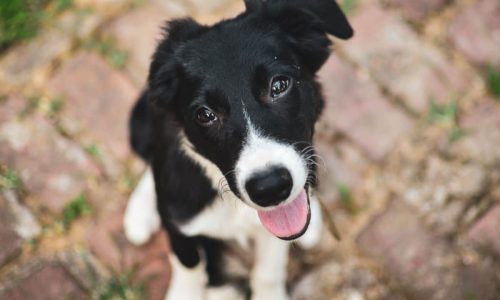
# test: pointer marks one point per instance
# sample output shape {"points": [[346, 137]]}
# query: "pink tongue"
{"points": [[287, 220]]}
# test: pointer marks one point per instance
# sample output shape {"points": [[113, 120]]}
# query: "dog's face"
{"points": [[244, 93]]}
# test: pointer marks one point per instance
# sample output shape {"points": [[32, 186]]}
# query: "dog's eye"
{"points": [[279, 86], [205, 116]]}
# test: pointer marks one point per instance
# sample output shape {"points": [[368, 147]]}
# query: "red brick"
{"points": [[98, 101], [10, 241], [210, 7], [486, 232], [356, 107], [108, 242], [397, 59], [482, 128], [138, 33], [416, 11], [340, 163], [475, 31], [50, 282], [425, 265], [29, 62], [53, 168]]}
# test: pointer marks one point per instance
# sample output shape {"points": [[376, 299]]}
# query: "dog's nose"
{"points": [[271, 187]]}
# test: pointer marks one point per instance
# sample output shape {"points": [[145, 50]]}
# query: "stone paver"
{"points": [[11, 242], [97, 101], [107, 240], [341, 280], [416, 11], [143, 27], [423, 263], [30, 62], [486, 232], [396, 58], [339, 164], [50, 282], [53, 168], [437, 240], [482, 128], [357, 108], [475, 31]]}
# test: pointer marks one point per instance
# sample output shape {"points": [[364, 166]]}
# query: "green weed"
{"points": [[447, 115], [494, 81], [75, 209], [19, 20], [10, 180], [116, 57], [346, 199], [55, 106], [22, 19], [93, 150], [349, 6], [121, 287]]}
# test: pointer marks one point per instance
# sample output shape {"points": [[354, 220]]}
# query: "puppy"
{"points": [[226, 123]]}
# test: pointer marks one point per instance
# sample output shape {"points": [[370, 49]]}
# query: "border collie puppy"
{"points": [[226, 123]]}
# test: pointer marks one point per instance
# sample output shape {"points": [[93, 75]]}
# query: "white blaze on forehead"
{"points": [[261, 153]]}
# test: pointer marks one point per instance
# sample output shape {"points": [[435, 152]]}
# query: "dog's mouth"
{"points": [[288, 221]]}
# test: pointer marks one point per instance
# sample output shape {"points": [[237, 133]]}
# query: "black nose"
{"points": [[271, 187]]}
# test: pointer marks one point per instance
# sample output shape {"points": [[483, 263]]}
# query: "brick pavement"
{"points": [[416, 196]]}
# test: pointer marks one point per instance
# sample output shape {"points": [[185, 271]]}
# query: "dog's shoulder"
{"points": [[182, 185]]}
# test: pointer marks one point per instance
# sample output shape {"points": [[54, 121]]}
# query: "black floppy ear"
{"points": [[162, 79], [307, 23], [329, 13], [326, 12], [252, 5]]}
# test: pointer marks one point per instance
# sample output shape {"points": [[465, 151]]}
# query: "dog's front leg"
{"points": [[141, 218], [269, 272], [186, 283]]}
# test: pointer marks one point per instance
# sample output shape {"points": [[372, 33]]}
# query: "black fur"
{"points": [[228, 67]]}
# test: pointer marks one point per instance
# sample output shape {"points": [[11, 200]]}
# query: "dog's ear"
{"points": [[308, 22], [252, 5], [162, 79]]}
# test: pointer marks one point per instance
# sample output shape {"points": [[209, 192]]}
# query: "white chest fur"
{"points": [[227, 217]]}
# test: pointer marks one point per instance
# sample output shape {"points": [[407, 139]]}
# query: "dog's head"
{"points": [[245, 95]]}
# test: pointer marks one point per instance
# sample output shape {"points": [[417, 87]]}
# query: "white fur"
{"points": [[141, 218], [185, 283], [260, 153], [312, 236], [225, 292], [269, 271], [228, 218]]}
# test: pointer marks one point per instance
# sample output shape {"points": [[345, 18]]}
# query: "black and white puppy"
{"points": [[226, 125]]}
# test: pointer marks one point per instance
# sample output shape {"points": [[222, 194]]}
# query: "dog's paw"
{"points": [[313, 234], [140, 224], [265, 292], [185, 293], [225, 292]]}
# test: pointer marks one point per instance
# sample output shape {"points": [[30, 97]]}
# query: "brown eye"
{"points": [[279, 86], [205, 116]]}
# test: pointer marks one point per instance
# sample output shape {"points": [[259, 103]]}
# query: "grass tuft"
{"points": [[22, 19], [121, 287], [94, 150], [494, 81], [19, 20], [107, 48], [349, 6], [346, 199], [75, 209], [10, 180], [447, 115], [55, 106]]}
